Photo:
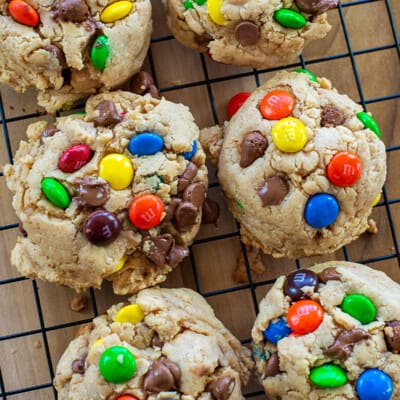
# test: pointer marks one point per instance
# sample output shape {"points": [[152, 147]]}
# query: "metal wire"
{"points": [[251, 286]]}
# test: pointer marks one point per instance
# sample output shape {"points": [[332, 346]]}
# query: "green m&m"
{"points": [[328, 376], [369, 123], [100, 52], [117, 364], [289, 18], [307, 72], [55, 192], [359, 307]]}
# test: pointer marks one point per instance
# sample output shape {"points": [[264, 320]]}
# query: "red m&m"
{"points": [[126, 397], [344, 169], [146, 211], [305, 316], [74, 158], [23, 13], [236, 102], [277, 104]]}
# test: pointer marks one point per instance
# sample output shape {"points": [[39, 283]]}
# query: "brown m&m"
{"points": [[102, 227], [299, 280]]}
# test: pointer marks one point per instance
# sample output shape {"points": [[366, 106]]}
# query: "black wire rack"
{"points": [[385, 203]]}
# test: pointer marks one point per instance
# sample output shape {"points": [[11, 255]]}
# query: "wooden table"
{"points": [[31, 334]]}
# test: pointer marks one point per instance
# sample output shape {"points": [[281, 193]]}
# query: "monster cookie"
{"points": [[163, 344], [68, 49], [115, 193], [252, 33], [330, 332], [301, 166]]}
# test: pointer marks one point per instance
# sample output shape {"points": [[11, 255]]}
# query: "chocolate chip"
{"points": [[203, 39], [78, 365], [329, 274], [57, 52], [79, 302], [222, 387], [344, 343], [273, 191], [73, 10], [156, 341], [102, 227], [188, 174], [247, 33], [272, 367], [185, 216], [93, 192], [163, 375], [176, 255], [316, 6], [160, 248], [171, 208], [297, 280], [392, 336], [48, 132], [108, 114], [210, 212], [195, 194], [142, 83], [331, 116], [252, 147]]}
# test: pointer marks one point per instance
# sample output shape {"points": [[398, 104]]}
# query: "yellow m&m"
{"points": [[214, 10], [117, 170], [132, 313], [289, 135], [120, 264], [376, 200], [116, 11]]}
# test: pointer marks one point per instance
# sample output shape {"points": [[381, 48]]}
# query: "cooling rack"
{"points": [[360, 55]]}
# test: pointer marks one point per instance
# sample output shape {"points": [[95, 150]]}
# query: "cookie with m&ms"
{"points": [[341, 335], [249, 32], [115, 193], [300, 164], [71, 49], [161, 343]]}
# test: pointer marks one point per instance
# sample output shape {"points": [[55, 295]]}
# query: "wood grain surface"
{"points": [[24, 358]]}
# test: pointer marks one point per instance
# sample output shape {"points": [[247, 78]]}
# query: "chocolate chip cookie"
{"points": [[69, 49], [115, 193], [253, 33], [165, 343], [301, 166], [330, 332]]}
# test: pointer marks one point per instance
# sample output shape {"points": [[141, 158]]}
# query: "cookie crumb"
{"points": [[38, 344], [257, 267], [79, 302], [325, 83], [372, 227]]}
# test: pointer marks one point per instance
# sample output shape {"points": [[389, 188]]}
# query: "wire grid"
{"points": [[43, 330]]}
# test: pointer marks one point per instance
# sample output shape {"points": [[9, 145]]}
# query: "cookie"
{"points": [[69, 49], [259, 34], [330, 332], [301, 166], [115, 193], [165, 343]]}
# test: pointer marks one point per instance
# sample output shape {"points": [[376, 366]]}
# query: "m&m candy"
{"points": [[290, 18], [131, 313], [126, 397], [277, 104], [344, 169], [312, 77], [146, 144], [321, 210], [236, 102], [305, 316], [374, 384], [189, 154], [116, 11], [23, 13], [117, 364], [328, 376], [289, 135], [102, 227], [100, 52], [117, 170], [146, 211], [298, 280], [277, 330], [214, 11], [369, 123], [74, 158], [359, 307], [55, 192], [376, 200]]}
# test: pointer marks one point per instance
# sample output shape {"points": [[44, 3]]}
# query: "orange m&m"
{"points": [[146, 211], [305, 316], [23, 13], [344, 169], [126, 397], [277, 104]]}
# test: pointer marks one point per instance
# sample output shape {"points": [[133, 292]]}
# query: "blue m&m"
{"points": [[277, 330], [146, 144], [374, 384], [321, 210], [189, 154]]}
